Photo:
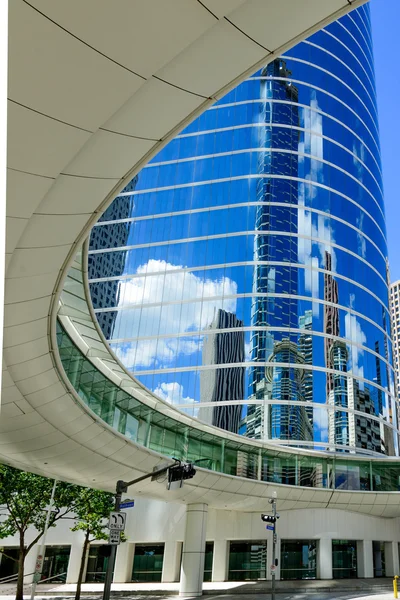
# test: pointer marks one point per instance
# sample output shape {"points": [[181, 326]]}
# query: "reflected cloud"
{"points": [[163, 282]]}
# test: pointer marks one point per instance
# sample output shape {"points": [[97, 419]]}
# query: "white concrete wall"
{"points": [[152, 521]]}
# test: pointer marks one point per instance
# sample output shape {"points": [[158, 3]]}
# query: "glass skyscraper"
{"points": [[243, 275]]}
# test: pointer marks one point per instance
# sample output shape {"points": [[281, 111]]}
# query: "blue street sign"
{"points": [[270, 527], [129, 504]]}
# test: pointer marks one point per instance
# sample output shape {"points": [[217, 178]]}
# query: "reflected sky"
{"points": [[242, 275]]}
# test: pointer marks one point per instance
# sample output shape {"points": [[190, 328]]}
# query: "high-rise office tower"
{"points": [[218, 385], [268, 208]]}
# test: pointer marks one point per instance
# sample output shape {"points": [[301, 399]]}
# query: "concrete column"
{"points": [[74, 563], [194, 547], [30, 563], [391, 559], [124, 563], [220, 560], [324, 559], [172, 562], [365, 561]]}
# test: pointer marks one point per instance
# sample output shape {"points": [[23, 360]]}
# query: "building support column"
{"points": [[220, 560], [194, 547], [124, 563], [172, 562], [74, 563], [391, 559], [365, 560], [324, 559]]}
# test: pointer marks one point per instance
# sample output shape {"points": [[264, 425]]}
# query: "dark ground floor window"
{"points": [[247, 560], [208, 561], [378, 550], [148, 562], [298, 559], [97, 563], [8, 566], [55, 564], [344, 559]]}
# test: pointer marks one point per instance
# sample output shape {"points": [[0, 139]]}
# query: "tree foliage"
{"points": [[24, 500]]}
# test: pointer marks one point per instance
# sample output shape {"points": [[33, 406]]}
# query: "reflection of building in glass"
{"points": [[268, 208], [217, 385], [108, 266]]}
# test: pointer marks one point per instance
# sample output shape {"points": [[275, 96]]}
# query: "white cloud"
{"points": [[354, 332], [320, 419], [162, 283], [173, 393]]}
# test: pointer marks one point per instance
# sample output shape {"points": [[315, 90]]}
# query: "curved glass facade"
{"points": [[242, 275]]}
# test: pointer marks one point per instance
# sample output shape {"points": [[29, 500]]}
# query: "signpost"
{"points": [[117, 521], [127, 504], [114, 537]]}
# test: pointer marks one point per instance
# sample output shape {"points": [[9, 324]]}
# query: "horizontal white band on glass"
{"points": [[309, 183], [324, 91], [287, 330], [300, 105], [262, 365], [239, 295], [335, 57], [232, 207], [317, 67], [279, 150], [276, 402]]}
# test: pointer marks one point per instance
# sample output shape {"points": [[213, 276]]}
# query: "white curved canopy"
{"points": [[96, 88]]}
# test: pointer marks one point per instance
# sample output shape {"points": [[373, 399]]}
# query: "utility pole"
{"points": [[177, 471], [274, 540], [272, 519]]}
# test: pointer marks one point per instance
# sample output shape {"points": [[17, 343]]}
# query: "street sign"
{"points": [[117, 521], [270, 527], [128, 504], [114, 537], [38, 568], [273, 569]]}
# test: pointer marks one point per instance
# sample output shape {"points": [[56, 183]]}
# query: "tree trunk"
{"points": [[21, 560], [82, 567]]}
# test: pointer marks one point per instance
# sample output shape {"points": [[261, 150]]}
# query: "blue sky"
{"points": [[385, 20]]}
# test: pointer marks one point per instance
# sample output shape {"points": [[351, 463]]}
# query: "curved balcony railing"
{"points": [[105, 386]]}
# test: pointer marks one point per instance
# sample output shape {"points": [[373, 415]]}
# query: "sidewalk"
{"points": [[378, 589]]}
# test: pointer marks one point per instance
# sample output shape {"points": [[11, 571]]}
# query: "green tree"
{"points": [[24, 498], [92, 511]]}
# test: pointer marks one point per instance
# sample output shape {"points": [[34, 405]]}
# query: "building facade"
{"points": [[319, 544], [267, 208], [395, 313]]}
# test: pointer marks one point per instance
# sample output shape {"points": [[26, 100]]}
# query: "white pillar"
{"points": [[194, 547], [30, 563], [391, 559], [324, 559], [124, 563], [75, 557], [220, 560], [172, 562], [365, 561]]}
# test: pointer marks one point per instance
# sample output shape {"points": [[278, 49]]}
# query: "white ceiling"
{"points": [[96, 88]]}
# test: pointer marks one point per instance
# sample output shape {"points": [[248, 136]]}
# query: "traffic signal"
{"points": [[180, 472], [269, 518]]}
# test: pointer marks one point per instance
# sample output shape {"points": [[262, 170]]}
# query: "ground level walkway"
{"points": [[344, 589]]}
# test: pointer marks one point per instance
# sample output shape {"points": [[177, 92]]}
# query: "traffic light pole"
{"points": [[274, 539], [121, 488]]}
